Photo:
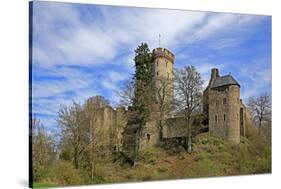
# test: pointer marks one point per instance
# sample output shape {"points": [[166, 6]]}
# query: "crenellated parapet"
{"points": [[163, 53]]}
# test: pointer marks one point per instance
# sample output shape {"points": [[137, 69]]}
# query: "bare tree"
{"points": [[188, 89], [127, 94], [260, 108], [70, 121], [82, 134], [92, 138], [43, 151]]}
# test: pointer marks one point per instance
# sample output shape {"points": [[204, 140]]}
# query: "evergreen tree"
{"points": [[143, 79], [142, 100]]}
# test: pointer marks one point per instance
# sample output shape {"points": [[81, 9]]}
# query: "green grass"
{"points": [[43, 185]]}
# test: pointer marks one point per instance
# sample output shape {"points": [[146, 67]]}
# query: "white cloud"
{"points": [[64, 36], [68, 39]]}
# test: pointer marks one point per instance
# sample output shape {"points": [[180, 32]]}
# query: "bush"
{"points": [[63, 173]]}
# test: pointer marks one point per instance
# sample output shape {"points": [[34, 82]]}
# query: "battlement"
{"points": [[163, 52]]}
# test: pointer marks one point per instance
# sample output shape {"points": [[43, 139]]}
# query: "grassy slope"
{"points": [[210, 157]]}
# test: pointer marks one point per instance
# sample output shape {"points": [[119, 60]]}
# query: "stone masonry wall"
{"points": [[224, 112], [110, 125]]}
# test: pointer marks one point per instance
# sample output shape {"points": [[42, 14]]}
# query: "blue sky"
{"points": [[82, 50]]}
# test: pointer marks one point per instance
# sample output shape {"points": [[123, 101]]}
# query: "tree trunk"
{"points": [[189, 142], [138, 134], [76, 158], [161, 131]]}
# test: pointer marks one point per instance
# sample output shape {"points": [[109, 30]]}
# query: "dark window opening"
{"points": [[148, 136], [224, 101], [224, 117], [216, 118]]}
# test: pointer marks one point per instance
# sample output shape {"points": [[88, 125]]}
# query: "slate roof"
{"points": [[223, 81]]}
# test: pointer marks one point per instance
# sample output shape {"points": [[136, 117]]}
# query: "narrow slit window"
{"points": [[224, 101]]}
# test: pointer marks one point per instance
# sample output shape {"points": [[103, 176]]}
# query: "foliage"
{"points": [[63, 173], [143, 79], [43, 150], [81, 137], [140, 111]]}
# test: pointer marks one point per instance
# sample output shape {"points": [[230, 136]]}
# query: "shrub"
{"points": [[63, 173]]}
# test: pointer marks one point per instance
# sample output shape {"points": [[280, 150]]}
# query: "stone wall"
{"points": [[109, 126], [175, 127], [150, 135]]}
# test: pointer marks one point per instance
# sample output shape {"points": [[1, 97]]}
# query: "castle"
{"points": [[227, 117]]}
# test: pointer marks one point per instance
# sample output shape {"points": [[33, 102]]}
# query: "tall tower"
{"points": [[162, 70], [222, 105]]}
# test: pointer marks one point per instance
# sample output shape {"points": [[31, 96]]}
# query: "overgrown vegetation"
{"points": [[211, 156]]}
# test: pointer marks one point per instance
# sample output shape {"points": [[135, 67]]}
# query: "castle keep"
{"points": [[162, 68]]}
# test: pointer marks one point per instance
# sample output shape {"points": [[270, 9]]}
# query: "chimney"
{"points": [[215, 73]]}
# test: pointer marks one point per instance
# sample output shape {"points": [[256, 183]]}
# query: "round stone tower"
{"points": [[233, 114], [162, 69], [222, 105]]}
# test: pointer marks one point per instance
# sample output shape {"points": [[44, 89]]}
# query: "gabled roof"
{"points": [[223, 81]]}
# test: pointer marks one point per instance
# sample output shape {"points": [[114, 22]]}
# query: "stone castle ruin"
{"points": [[226, 114]]}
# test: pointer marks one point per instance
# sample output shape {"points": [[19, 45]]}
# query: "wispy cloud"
{"points": [[85, 50]]}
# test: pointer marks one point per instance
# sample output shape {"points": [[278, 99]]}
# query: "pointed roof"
{"points": [[223, 81]]}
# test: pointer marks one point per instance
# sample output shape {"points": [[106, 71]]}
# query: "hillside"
{"points": [[211, 157]]}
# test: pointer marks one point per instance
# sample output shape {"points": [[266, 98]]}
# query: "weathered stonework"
{"points": [[109, 125], [227, 116], [226, 112], [162, 68]]}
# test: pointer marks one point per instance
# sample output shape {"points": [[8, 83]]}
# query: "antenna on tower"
{"points": [[159, 39]]}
